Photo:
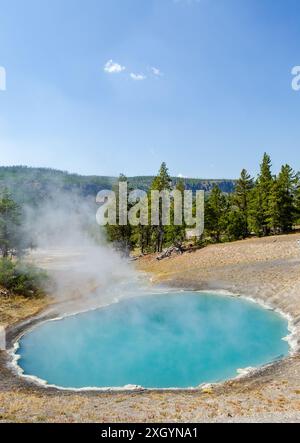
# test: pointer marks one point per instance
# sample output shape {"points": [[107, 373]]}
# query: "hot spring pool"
{"points": [[176, 340]]}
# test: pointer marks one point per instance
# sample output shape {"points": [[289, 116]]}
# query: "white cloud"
{"points": [[113, 68], [156, 72], [137, 77]]}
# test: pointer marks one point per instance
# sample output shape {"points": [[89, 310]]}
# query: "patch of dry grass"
{"points": [[17, 308]]}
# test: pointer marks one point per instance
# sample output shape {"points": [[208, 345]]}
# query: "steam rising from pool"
{"points": [[175, 340], [86, 272]]}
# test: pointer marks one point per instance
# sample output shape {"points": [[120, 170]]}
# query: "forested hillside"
{"points": [[31, 185]]}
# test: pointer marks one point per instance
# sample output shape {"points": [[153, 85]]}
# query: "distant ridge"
{"points": [[29, 185]]}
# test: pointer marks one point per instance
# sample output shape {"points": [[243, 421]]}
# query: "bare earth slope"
{"points": [[266, 269]]}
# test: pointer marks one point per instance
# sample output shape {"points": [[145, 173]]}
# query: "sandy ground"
{"points": [[266, 269]]}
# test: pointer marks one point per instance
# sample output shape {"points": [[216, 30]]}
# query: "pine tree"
{"points": [[144, 233], [162, 182], [120, 235], [283, 209], [144, 238], [10, 223], [235, 224], [175, 234], [242, 198], [274, 207], [261, 197], [215, 214]]}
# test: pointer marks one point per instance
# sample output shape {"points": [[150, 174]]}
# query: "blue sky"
{"points": [[219, 96]]}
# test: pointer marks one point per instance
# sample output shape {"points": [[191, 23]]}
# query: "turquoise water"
{"points": [[159, 341]]}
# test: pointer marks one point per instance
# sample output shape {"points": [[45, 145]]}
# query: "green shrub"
{"points": [[22, 279]]}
